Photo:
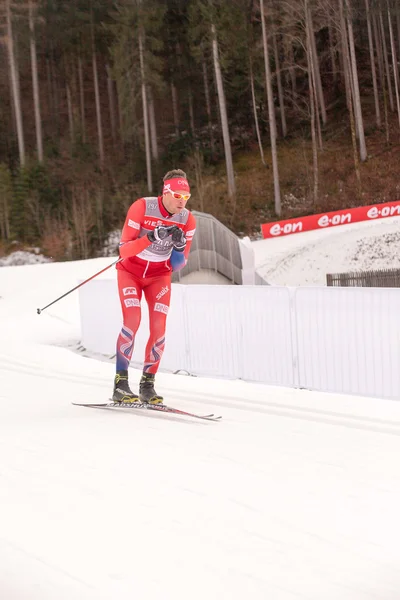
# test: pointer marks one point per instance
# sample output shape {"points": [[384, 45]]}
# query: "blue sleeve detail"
{"points": [[178, 260]]}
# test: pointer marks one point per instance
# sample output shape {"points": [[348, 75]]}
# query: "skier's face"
{"points": [[175, 201]]}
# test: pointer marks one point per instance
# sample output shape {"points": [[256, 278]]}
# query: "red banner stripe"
{"points": [[331, 219]]}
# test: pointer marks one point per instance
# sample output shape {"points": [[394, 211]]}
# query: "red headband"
{"points": [[175, 184]]}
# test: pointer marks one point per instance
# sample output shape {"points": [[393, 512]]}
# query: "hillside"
{"points": [[306, 258], [337, 180], [98, 100]]}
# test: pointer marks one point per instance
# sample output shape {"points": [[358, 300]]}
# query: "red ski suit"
{"points": [[147, 267]]}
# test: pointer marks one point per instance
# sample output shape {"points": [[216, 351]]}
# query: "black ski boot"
{"points": [[122, 392], [147, 393]]}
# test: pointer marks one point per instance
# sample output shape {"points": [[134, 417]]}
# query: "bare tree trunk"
{"points": [[132, 83], [98, 109], [354, 143], [208, 104], [349, 98], [5, 202], [394, 60], [70, 114], [279, 84], [271, 114], [313, 95], [198, 166], [332, 51], [340, 55], [378, 45], [191, 112], [153, 127], [10, 89], [120, 110], [381, 72], [69, 89], [56, 92], [82, 219], [145, 115], [312, 77], [319, 90], [82, 98], [357, 98], [99, 193], [398, 29], [253, 97], [373, 68], [224, 117], [35, 83], [317, 119], [175, 107], [97, 92], [292, 70], [49, 96], [111, 103], [386, 60], [15, 86], [343, 55], [314, 118]]}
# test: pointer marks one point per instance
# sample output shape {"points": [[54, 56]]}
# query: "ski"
{"points": [[155, 407]]}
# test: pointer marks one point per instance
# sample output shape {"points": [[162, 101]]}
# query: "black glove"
{"points": [[160, 233], [179, 239]]}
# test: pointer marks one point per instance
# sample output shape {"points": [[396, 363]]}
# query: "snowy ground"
{"points": [[22, 257], [306, 258], [294, 495]]}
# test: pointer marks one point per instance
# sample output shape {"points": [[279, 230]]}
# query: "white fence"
{"points": [[344, 340]]}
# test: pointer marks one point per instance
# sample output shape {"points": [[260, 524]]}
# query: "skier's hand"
{"points": [[161, 232], [179, 239]]}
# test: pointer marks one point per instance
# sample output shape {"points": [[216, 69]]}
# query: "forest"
{"points": [[274, 108]]}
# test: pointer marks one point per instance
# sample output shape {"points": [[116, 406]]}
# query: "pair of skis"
{"points": [[155, 407]]}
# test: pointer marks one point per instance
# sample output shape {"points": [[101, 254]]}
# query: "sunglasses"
{"points": [[181, 196]]}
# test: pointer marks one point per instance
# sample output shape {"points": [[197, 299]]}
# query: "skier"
{"points": [[155, 241]]}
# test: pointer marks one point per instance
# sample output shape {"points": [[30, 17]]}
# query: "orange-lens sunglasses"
{"points": [[181, 196]]}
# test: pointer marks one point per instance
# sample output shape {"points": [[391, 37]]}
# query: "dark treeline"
{"points": [[99, 97]]}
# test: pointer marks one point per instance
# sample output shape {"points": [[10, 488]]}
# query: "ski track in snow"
{"points": [[294, 495], [263, 406], [256, 506]]}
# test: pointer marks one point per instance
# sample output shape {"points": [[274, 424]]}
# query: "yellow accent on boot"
{"points": [[123, 395], [156, 400], [129, 400], [147, 392]]}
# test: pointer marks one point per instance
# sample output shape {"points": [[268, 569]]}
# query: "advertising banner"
{"points": [[331, 219]]}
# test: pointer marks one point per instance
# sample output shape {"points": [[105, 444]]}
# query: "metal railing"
{"points": [[386, 278]]}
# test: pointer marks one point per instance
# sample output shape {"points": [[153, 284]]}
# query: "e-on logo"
{"points": [[386, 211], [278, 229], [325, 221]]}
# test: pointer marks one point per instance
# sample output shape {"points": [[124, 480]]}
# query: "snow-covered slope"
{"points": [[21, 257], [306, 258], [294, 495]]}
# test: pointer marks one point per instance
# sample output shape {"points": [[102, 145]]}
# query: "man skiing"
{"points": [[155, 241]]}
